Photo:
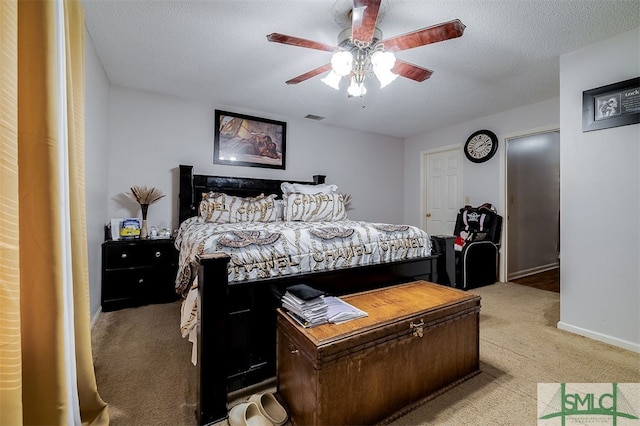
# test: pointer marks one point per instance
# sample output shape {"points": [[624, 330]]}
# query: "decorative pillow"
{"points": [[212, 208], [314, 207], [279, 209], [224, 208], [299, 188]]}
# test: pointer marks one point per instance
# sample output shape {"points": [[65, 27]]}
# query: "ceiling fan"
{"points": [[360, 49]]}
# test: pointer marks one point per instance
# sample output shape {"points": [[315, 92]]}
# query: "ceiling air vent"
{"points": [[314, 117]]}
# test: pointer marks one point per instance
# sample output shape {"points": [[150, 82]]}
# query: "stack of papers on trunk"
{"points": [[310, 307], [340, 311], [308, 313]]}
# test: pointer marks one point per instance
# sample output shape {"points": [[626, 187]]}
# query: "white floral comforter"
{"points": [[271, 249]]}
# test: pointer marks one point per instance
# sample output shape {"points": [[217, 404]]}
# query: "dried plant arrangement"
{"points": [[144, 196]]}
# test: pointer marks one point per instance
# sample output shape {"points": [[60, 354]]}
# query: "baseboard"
{"points": [[533, 271], [94, 320], [624, 344]]}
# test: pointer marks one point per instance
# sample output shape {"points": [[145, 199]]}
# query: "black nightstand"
{"points": [[138, 272], [443, 245]]}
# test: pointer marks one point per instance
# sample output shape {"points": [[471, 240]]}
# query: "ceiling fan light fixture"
{"points": [[356, 89], [385, 76], [332, 80], [382, 59], [382, 63], [342, 62]]}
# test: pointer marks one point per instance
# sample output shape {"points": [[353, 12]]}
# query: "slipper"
{"points": [[270, 407], [247, 414]]}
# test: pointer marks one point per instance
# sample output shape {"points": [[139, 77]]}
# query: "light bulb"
{"points": [[383, 60], [342, 62], [382, 63], [332, 80], [385, 77], [356, 89]]}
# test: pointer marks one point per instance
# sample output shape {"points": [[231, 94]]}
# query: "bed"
{"points": [[232, 296]]}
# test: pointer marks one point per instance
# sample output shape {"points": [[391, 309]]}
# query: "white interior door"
{"points": [[442, 171]]}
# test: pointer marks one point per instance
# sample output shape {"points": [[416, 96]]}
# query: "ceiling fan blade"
{"points": [[308, 75], [434, 34], [363, 21], [300, 42], [411, 71]]}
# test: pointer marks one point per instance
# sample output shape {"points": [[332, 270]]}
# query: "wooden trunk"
{"points": [[418, 340]]}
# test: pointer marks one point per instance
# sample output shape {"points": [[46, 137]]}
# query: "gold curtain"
{"points": [[10, 359], [46, 367]]}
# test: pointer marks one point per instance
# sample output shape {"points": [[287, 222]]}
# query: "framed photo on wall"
{"points": [[613, 105], [243, 140]]}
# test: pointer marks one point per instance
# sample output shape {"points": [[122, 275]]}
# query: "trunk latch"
{"points": [[418, 329]]}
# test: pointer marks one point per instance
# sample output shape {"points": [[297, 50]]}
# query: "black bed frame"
{"points": [[237, 334]]}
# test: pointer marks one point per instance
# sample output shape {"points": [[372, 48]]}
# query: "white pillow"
{"points": [[314, 207], [224, 208], [279, 209], [322, 188]]}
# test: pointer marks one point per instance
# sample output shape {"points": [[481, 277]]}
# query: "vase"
{"points": [[144, 233]]}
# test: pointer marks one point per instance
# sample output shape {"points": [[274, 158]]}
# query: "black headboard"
{"points": [[193, 186]]}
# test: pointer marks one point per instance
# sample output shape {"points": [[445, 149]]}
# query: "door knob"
{"points": [[428, 215]]}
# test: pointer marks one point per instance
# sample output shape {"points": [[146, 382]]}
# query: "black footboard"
{"points": [[237, 337]]}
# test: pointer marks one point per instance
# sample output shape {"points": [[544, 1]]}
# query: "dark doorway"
{"points": [[533, 208]]}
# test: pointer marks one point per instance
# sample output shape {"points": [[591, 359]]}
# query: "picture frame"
{"points": [[613, 105], [243, 140]]}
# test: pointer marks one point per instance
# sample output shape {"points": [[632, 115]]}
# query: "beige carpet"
{"points": [[143, 369]]}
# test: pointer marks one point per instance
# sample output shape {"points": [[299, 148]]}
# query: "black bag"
{"points": [[478, 231], [304, 292], [478, 224]]}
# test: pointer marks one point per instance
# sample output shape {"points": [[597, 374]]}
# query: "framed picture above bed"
{"points": [[243, 140]]}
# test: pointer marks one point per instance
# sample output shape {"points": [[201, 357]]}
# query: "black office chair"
{"points": [[477, 246]]}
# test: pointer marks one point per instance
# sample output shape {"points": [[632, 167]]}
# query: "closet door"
{"points": [[442, 185]]}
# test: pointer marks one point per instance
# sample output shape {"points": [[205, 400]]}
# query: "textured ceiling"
{"points": [[217, 50]]}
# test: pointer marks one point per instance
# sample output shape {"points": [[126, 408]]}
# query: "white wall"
{"points": [[600, 200], [481, 182], [151, 134], [96, 140]]}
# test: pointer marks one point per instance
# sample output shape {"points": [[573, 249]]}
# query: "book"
{"points": [[303, 322], [310, 307]]}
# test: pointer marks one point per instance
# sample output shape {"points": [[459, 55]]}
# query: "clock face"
{"points": [[481, 146]]}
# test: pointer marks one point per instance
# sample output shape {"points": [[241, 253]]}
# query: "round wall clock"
{"points": [[481, 146]]}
